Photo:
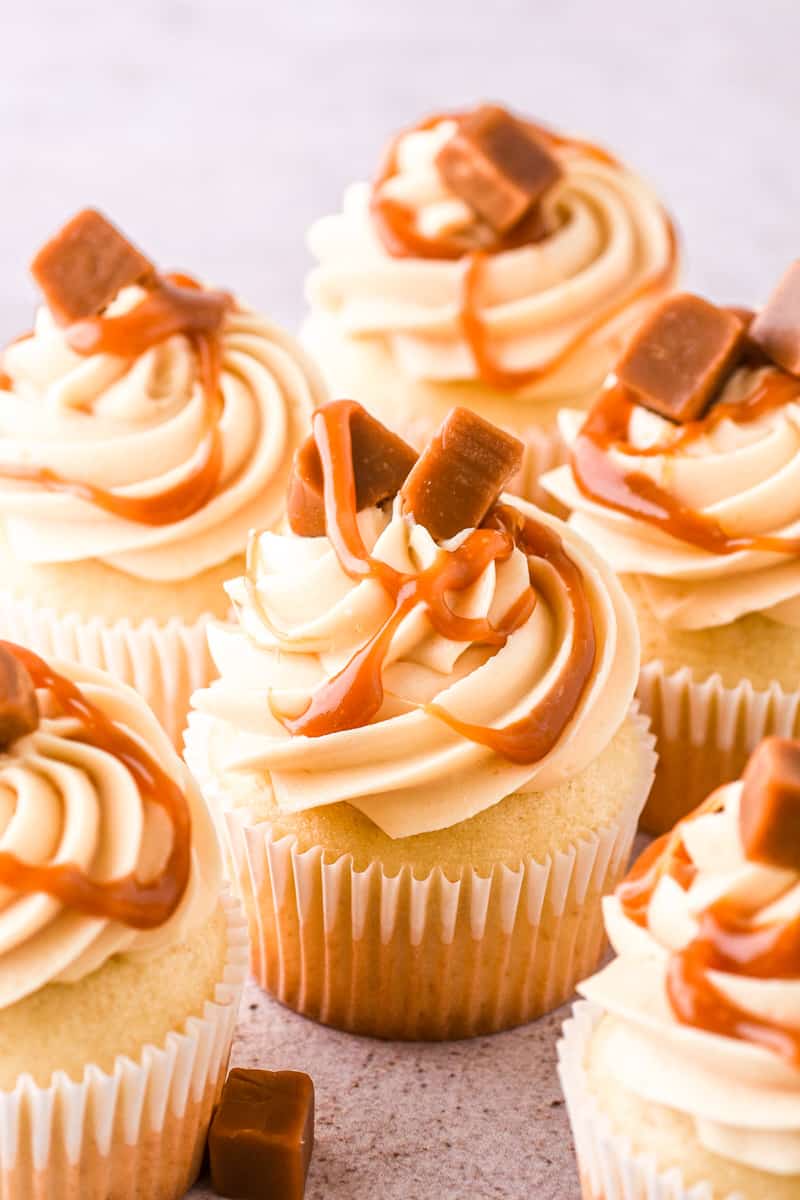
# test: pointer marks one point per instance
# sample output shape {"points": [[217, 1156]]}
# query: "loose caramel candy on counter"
{"points": [[85, 265], [776, 329], [497, 166], [381, 462], [680, 356], [19, 709], [769, 809], [262, 1135], [460, 474]]}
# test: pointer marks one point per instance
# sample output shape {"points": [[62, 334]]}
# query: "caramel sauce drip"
{"points": [[395, 224], [637, 495], [128, 900], [728, 941], [175, 304], [353, 697]]}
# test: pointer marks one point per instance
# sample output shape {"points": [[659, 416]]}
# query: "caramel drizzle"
{"points": [[352, 697], [128, 900], [637, 495], [728, 941], [395, 224], [175, 304]]}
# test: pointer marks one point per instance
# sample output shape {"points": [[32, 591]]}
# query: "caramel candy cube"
{"points": [[498, 166], [460, 474], [85, 265], [19, 708], [769, 809], [776, 329], [262, 1135], [680, 357], [381, 462]]}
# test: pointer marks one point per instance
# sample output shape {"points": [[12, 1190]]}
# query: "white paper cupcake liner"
{"points": [[164, 663], [431, 958], [705, 733], [138, 1131], [609, 1168]]}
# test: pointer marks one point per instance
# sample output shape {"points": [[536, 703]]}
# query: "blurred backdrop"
{"points": [[214, 132]]}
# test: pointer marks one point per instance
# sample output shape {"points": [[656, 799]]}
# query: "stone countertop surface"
{"points": [[473, 1120]]}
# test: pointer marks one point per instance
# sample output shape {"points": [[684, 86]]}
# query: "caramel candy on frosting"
{"points": [[498, 166], [19, 709], [460, 474], [776, 329], [769, 809], [262, 1135], [85, 265], [381, 462], [680, 356]]}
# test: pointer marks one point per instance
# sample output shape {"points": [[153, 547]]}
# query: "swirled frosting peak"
{"points": [[541, 309], [704, 996], [420, 679], [89, 852], [151, 435], [705, 514]]}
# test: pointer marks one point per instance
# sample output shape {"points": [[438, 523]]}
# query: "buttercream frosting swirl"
{"points": [[301, 618], [137, 428], [743, 1098], [63, 800], [560, 306], [743, 473]]}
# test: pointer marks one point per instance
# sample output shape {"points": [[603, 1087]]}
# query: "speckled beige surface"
{"points": [[474, 1120]]}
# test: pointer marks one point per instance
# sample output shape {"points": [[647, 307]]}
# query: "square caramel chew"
{"points": [[83, 267], [381, 462], [776, 329], [498, 166], [769, 808], [680, 356], [262, 1135], [460, 474]]}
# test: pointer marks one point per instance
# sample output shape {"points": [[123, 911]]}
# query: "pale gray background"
{"points": [[214, 133]]}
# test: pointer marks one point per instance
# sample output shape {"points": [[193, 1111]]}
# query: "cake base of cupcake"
{"points": [[152, 636], [420, 952], [138, 1130], [705, 733], [631, 1150]]}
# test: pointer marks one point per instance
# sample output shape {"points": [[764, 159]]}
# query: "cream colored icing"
{"points": [[746, 476], [611, 235], [301, 618], [744, 1100], [64, 801], [136, 427]]}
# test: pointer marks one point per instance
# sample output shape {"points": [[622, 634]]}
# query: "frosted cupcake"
{"points": [[121, 962], [146, 425], [684, 477], [491, 263], [682, 1074], [421, 742]]}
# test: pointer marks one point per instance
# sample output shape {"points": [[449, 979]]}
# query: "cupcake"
{"points": [[682, 1072], [492, 264], [683, 476], [146, 425], [422, 746], [121, 960]]}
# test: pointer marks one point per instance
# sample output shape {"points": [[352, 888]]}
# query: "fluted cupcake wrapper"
{"points": [[138, 1131], [608, 1167], [165, 663], [705, 733], [432, 958]]}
